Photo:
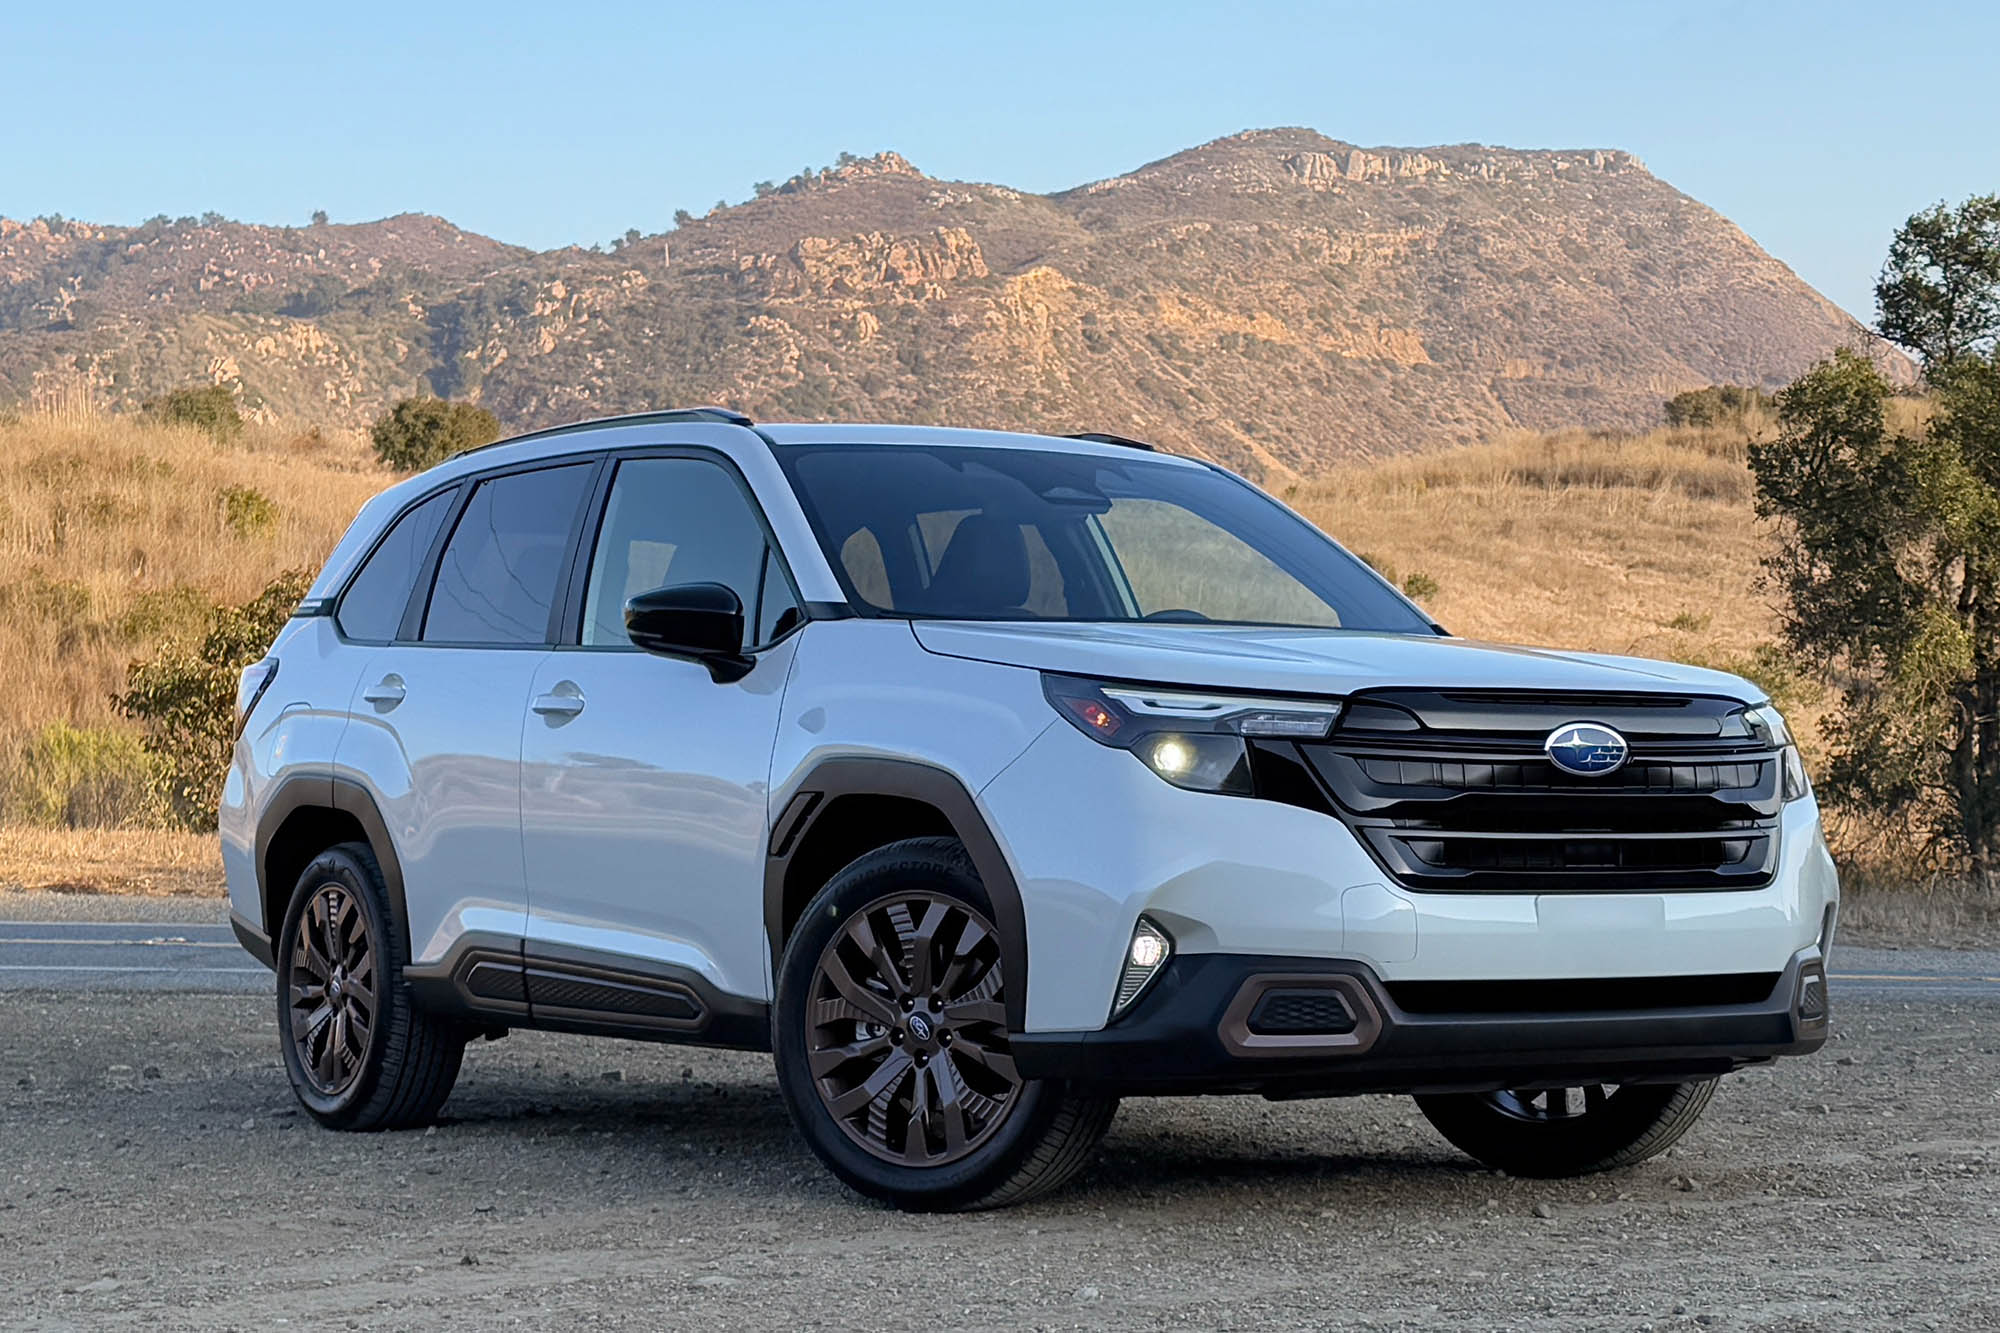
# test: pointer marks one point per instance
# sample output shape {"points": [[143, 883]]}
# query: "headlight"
{"points": [[1195, 740], [1768, 725]]}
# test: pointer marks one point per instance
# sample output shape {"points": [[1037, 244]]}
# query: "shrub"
{"points": [[1717, 405], [422, 432], [1420, 587], [186, 698], [79, 777], [211, 408], [247, 512]]}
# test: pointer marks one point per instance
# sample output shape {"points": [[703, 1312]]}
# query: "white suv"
{"points": [[985, 778]]}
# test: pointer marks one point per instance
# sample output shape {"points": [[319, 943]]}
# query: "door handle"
{"points": [[566, 700], [385, 693]]}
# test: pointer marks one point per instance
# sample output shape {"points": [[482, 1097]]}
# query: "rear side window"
{"points": [[496, 581], [372, 607]]}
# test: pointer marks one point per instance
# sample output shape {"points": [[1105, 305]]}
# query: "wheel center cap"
{"points": [[921, 1027], [337, 987]]}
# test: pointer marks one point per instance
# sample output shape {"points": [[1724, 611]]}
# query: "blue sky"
{"points": [[1817, 127]]}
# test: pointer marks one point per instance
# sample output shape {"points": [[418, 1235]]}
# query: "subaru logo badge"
{"points": [[1586, 749], [920, 1027]]}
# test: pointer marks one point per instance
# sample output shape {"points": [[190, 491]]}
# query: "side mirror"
{"points": [[699, 621]]}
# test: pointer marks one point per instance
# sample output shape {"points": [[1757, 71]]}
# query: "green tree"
{"points": [[1939, 293], [421, 432], [186, 698], [682, 217], [212, 408], [1890, 558]]}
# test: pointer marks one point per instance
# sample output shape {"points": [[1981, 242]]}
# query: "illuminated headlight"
{"points": [[1144, 957], [1768, 725], [1194, 740]]}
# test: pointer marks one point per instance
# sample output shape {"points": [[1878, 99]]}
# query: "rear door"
{"points": [[436, 732], [645, 782]]}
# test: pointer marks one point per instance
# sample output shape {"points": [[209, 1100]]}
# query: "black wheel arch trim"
{"points": [[322, 790], [908, 779]]}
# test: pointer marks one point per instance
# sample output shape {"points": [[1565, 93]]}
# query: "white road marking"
{"points": [[84, 967]]}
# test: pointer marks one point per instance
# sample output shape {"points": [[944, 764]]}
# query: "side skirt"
{"points": [[497, 981]]}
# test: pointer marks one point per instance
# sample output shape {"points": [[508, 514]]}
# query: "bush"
{"points": [[1717, 405], [1420, 587], [248, 512], [186, 699], [79, 777], [422, 432], [211, 408]]}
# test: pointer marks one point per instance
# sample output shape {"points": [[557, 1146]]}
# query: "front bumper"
{"points": [[1197, 1030]]}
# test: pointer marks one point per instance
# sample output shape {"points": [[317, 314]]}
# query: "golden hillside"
{"points": [[117, 534]]}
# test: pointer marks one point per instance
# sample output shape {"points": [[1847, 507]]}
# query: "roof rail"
{"points": [[728, 416], [1100, 437]]}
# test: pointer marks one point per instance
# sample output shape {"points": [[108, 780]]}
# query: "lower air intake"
{"points": [[1301, 1012]]}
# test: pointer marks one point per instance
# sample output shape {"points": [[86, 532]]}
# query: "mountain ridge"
{"points": [[1275, 299]]}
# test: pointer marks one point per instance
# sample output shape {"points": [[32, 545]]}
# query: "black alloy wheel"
{"points": [[333, 989], [893, 1048], [907, 1037]]}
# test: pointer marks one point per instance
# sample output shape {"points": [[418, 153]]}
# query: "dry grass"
{"points": [[1622, 544], [149, 861], [116, 532]]}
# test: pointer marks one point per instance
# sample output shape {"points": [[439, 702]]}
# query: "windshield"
{"points": [[954, 533]]}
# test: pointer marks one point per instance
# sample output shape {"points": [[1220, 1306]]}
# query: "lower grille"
{"points": [[1454, 792], [1608, 995], [1283, 1012]]}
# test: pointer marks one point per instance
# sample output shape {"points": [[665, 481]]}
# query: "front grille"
{"points": [[1453, 792]]}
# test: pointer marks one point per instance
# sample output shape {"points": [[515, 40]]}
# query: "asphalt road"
{"points": [[75, 943]]}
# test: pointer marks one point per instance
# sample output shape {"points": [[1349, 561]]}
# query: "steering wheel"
{"points": [[1181, 614]]}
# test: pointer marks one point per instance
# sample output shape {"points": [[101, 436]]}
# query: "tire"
{"points": [[986, 1138], [1540, 1134], [359, 1054]]}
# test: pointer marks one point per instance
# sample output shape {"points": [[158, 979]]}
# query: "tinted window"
{"points": [[373, 605], [777, 609], [496, 581], [1032, 534], [677, 520]]}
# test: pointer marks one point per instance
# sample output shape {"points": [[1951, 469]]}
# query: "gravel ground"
{"points": [[156, 1174]]}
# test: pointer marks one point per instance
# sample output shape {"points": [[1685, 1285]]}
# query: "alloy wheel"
{"points": [[332, 989], [906, 1030], [1549, 1105]]}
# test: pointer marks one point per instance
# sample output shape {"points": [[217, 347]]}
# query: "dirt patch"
{"points": [[158, 1175]]}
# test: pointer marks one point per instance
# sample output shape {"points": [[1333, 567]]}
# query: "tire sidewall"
{"points": [[923, 865], [342, 868]]}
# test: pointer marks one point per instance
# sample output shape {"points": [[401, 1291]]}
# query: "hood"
{"points": [[1308, 661]]}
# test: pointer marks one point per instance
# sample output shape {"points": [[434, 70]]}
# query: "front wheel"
{"points": [[890, 1032], [1550, 1132]]}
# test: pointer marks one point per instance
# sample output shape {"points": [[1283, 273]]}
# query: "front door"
{"points": [[645, 782]]}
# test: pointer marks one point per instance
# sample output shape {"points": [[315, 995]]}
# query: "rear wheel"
{"points": [[359, 1054], [892, 1048], [1568, 1131]]}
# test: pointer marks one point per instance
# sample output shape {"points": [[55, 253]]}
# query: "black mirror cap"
{"points": [[702, 621]]}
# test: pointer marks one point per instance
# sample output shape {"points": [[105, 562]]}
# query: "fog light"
{"points": [[1144, 957]]}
